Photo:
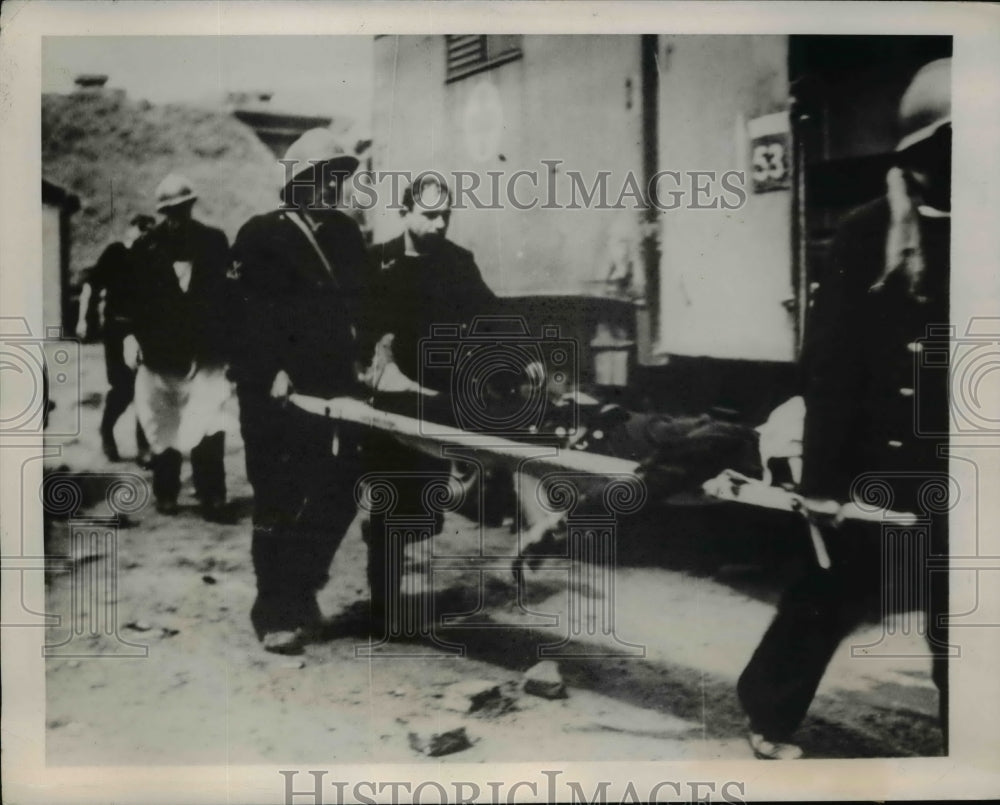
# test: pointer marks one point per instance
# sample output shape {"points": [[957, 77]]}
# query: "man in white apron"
{"points": [[179, 323]]}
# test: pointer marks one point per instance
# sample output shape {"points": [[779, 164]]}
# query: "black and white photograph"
{"points": [[430, 415]]}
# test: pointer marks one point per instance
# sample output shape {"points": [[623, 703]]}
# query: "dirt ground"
{"points": [[689, 605]]}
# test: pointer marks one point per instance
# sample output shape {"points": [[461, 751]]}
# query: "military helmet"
{"points": [[926, 104], [316, 146], [173, 191]]}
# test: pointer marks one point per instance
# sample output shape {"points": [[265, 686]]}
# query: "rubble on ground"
{"points": [[435, 740], [543, 679]]}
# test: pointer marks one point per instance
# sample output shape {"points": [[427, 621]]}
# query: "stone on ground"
{"points": [[435, 739], [544, 679]]}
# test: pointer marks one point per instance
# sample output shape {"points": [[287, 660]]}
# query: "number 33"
{"points": [[769, 162]]}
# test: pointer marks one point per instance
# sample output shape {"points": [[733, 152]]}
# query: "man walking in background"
{"points": [[112, 275], [180, 320], [298, 274]]}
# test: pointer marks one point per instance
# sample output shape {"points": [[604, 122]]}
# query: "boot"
{"points": [[209, 476], [385, 572], [108, 444], [167, 480]]}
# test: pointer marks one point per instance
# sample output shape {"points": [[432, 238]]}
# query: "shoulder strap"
{"points": [[307, 231]]}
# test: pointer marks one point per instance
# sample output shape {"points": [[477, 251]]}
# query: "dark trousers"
{"points": [[413, 513], [303, 505], [208, 470], [121, 381], [409, 472], [824, 606]]}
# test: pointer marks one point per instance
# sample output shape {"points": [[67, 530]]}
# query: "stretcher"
{"points": [[538, 460]]}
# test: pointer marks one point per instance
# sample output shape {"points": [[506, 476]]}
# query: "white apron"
{"points": [[177, 412]]}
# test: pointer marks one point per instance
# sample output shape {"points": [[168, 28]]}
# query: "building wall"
{"points": [[570, 98], [724, 274]]}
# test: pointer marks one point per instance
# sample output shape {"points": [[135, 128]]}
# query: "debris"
{"points": [[292, 665], [209, 579], [167, 631], [435, 740], [544, 679], [138, 626], [471, 695]]}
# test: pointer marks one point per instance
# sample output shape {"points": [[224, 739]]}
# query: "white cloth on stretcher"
{"points": [[781, 437], [177, 412]]}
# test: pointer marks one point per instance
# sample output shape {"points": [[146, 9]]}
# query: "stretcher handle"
{"points": [[734, 486]]}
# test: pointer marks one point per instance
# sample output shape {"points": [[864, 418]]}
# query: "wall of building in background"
{"points": [[725, 275]]}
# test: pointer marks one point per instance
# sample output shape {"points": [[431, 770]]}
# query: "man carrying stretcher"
{"points": [[874, 411], [418, 281]]}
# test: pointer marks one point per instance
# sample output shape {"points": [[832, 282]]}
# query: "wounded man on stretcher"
{"points": [[525, 405], [675, 453], [707, 456]]}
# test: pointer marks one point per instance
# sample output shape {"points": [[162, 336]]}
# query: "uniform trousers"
{"points": [[874, 572], [303, 505], [121, 382]]}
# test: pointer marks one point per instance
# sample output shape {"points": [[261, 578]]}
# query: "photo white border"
{"points": [[972, 769]]}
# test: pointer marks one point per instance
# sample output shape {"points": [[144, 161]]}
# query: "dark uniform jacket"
{"points": [[176, 328], [875, 385], [411, 294], [295, 315], [112, 273]]}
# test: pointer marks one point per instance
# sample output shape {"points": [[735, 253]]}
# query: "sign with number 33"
{"points": [[769, 153]]}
